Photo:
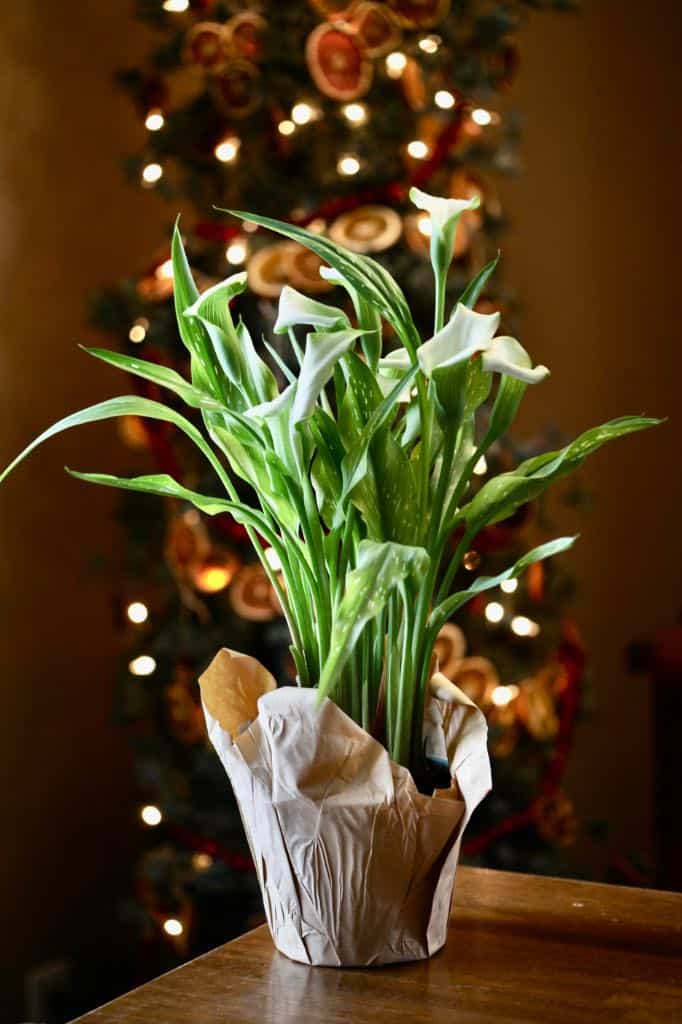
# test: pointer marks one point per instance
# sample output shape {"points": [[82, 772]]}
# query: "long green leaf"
{"points": [[157, 374], [472, 292], [448, 607], [380, 568]]}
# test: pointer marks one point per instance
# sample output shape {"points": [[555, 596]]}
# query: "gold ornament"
{"points": [[235, 88], [269, 269], [478, 678], [251, 594], [245, 35], [376, 30], [537, 705], [304, 270], [556, 820], [471, 560], [367, 229], [205, 46]]}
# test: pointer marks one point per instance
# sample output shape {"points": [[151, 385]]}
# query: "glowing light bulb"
{"points": [[417, 149], [509, 586], [175, 6], [154, 120], [481, 117], [286, 127], [494, 612], [138, 332], [151, 815], [143, 665], [226, 151], [137, 612], [202, 861], [173, 927], [273, 560], [424, 225], [481, 467], [396, 63], [356, 113], [151, 173], [211, 579], [444, 99], [236, 253], [348, 165], [523, 626], [164, 271], [302, 113], [504, 695], [429, 44]]}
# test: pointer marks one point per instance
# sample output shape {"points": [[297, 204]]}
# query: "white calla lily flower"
{"points": [[443, 212], [462, 336], [296, 308], [505, 355]]}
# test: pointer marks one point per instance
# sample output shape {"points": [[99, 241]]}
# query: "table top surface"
{"points": [[521, 949]]}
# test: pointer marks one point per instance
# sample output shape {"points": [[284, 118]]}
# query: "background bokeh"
{"points": [[593, 255]]}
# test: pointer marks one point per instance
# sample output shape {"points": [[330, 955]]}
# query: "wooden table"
{"points": [[522, 949]]}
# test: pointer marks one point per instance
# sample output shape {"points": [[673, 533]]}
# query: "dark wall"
{"points": [[594, 253], [68, 225]]}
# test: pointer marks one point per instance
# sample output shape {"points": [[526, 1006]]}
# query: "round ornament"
{"points": [[336, 63], [419, 13], [304, 268], [471, 561], [251, 594], [367, 229], [449, 649], [333, 8], [235, 88], [376, 30], [205, 46], [269, 269], [245, 35]]}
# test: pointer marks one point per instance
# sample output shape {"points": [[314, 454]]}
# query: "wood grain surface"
{"points": [[521, 949]]}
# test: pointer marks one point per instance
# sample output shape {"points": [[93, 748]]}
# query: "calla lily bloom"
{"points": [[505, 355], [444, 214], [295, 308]]}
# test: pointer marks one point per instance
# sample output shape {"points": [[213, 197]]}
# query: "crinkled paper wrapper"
{"points": [[356, 866]]}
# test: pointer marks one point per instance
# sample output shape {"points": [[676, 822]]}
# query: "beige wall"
{"points": [[593, 256], [594, 253], [67, 224]]}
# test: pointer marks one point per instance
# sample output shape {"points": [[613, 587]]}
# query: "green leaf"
{"points": [[157, 374], [472, 292], [205, 372], [380, 568], [453, 603], [125, 405], [157, 483]]}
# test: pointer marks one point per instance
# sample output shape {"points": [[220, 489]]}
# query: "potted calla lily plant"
{"points": [[354, 786]]}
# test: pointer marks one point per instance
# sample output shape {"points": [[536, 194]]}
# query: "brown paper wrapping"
{"points": [[356, 867]]}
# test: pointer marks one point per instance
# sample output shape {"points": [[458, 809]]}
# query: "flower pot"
{"points": [[355, 865]]}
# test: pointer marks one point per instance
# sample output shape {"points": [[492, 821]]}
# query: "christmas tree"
{"points": [[325, 114]]}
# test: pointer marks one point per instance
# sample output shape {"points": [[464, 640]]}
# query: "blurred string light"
{"points": [[236, 252], [509, 586], [154, 120], [481, 467], [173, 927], [396, 63], [444, 99], [151, 815], [164, 271], [429, 44], [302, 113], [227, 149], [273, 559], [151, 173], [481, 117], [138, 332], [175, 6], [355, 113], [211, 579], [418, 149], [504, 695], [202, 861], [143, 665], [523, 626], [137, 612], [348, 165], [494, 612], [286, 127], [424, 224]]}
